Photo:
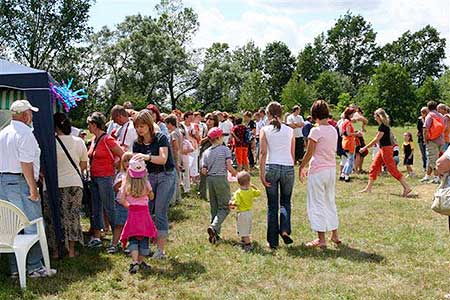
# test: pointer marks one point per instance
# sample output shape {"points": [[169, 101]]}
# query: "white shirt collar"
{"points": [[20, 126]]}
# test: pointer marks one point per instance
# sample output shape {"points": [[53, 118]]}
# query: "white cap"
{"points": [[19, 106]]}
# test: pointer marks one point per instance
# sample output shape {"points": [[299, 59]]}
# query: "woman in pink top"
{"points": [[139, 227], [321, 154]]}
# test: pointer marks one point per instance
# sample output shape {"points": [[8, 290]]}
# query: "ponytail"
{"points": [[274, 110]]}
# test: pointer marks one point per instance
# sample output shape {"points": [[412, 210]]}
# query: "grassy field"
{"points": [[394, 248]]}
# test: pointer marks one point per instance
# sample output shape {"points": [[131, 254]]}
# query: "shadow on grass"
{"points": [[175, 269], [177, 214], [343, 251], [257, 247], [70, 270]]}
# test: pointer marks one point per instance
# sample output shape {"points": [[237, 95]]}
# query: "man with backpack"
{"points": [[433, 134]]}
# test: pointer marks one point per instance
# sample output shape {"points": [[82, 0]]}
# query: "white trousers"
{"points": [[185, 176], [321, 204]]}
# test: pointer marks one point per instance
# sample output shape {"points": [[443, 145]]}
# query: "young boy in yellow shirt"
{"points": [[243, 201]]}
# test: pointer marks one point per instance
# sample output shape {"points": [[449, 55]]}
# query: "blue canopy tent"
{"points": [[34, 84]]}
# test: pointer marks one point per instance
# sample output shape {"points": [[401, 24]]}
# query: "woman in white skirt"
{"points": [[321, 186]]}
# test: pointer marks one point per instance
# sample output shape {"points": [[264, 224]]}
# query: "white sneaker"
{"points": [[159, 254], [426, 178], [42, 272], [436, 180]]}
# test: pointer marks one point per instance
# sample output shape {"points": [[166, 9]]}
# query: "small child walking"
{"points": [[139, 227], [121, 211], [216, 161], [408, 153], [243, 201]]}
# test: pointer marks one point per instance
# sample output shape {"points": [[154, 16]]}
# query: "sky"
{"points": [[294, 22]]}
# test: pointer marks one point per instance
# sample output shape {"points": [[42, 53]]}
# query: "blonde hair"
{"points": [[144, 117], [136, 187], [243, 178], [384, 117], [125, 158]]}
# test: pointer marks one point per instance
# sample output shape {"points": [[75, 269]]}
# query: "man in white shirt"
{"points": [[19, 172], [226, 125], [296, 122], [126, 134]]}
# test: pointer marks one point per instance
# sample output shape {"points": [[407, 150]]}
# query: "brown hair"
{"points": [[144, 117], [348, 112], [243, 178], [275, 111], [118, 110], [319, 110]]}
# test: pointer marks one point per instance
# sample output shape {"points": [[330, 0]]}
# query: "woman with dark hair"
{"points": [[348, 143], [156, 115], [321, 186], [102, 155], [276, 163], [153, 148], [211, 121], [69, 184]]}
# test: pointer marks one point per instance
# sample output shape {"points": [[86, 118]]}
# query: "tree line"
{"points": [[150, 59]]}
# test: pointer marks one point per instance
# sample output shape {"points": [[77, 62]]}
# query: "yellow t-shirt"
{"points": [[244, 198]]}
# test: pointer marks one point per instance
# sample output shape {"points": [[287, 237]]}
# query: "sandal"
{"points": [[316, 244], [407, 193], [337, 242]]}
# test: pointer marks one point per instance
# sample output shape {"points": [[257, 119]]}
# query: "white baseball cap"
{"points": [[19, 106]]}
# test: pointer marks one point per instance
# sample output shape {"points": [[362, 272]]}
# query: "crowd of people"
{"points": [[140, 163]]}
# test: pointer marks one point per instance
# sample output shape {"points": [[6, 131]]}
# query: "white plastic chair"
{"points": [[12, 221]]}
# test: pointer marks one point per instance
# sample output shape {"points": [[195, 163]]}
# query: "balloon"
{"points": [[65, 96]]}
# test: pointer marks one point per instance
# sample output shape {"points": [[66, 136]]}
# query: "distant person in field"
{"points": [[433, 133], [408, 153], [321, 187], [385, 154], [296, 122], [420, 140], [444, 110]]}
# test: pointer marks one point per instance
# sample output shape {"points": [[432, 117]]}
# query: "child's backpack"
{"points": [[436, 129]]}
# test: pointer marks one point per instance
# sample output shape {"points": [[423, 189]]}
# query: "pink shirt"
{"points": [[140, 201], [324, 156]]}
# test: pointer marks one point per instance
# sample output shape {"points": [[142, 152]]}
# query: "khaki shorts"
{"points": [[432, 151], [244, 223]]}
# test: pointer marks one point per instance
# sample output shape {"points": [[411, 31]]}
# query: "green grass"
{"points": [[394, 249]]}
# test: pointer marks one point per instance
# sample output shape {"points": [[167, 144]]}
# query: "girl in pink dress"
{"points": [[139, 227]]}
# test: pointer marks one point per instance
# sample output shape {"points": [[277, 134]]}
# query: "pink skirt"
{"points": [[139, 224]]}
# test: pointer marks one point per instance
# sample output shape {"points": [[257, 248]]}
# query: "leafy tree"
{"points": [[248, 58], [351, 44], [218, 82], [330, 85], [313, 59], [428, 91], [36, 32], [297, 91], [254, 92], [390, 88], [421, 53], [443, 84], [344, 100], [278, 65], [179, 70]]}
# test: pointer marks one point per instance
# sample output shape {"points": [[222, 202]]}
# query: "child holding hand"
{"points": [[243, 201], [139, 227]]}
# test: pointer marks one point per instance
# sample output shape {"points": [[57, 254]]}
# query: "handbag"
{"points": [[86, 184], [441, 198]]}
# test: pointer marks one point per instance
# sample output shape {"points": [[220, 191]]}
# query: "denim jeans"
{"points": [[279, 194], [14, 189], [163, 185], [423, 151], [102, 198], [348, 167]]}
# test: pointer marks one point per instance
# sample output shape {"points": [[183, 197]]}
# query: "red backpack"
{"points": [[436, 129]]}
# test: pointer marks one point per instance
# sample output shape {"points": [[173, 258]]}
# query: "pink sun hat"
{"points": [[137, 168], [215, 133]]}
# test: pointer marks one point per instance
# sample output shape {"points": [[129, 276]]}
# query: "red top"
{"points": [[102, 160], [239, 131]]}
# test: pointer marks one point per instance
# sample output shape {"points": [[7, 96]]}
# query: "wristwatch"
{"points": [[149, 158]]}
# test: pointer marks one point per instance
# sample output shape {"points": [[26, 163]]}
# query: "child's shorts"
{"points": [[244, 223], [139, 244], [242, 155], [121, 214]]}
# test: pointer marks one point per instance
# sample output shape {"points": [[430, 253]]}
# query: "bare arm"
{"points": [[443, 165], [262, 158], [28, 172], [83, 166], [230, 167], [375, 140]]}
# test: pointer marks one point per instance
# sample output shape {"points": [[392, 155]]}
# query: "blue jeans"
{"points": [[163, 185], [423, 151], [348, 167], [14, 189], [279, 194], [140, 245], [102, 198]]}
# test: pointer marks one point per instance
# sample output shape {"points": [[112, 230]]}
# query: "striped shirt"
{"points": [[215, 160]]}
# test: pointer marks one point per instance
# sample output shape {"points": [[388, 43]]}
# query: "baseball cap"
{"points": [[137, 168], [215, 133], [19, 106]]}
